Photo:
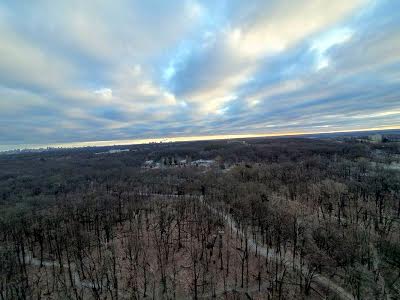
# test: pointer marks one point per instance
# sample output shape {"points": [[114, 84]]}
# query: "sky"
{"points": [[77, 71]]}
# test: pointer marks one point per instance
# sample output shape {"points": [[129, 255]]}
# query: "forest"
{"points": [[267, 218]]}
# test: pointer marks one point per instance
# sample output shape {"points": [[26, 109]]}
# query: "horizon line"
{"points": [[127, 142]]}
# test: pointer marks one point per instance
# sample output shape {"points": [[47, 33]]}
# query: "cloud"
{"points": [[104, 93], [229, 58], [271, 27], [73, 71], [323, 44], [26, 65]]}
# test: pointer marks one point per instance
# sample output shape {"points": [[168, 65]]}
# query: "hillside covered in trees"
{"points": [[277, 218]]}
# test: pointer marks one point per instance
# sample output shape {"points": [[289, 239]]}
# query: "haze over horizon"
{"points": [[73, 72]]}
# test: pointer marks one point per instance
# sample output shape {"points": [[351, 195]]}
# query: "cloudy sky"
{"points": [[77, 71]]}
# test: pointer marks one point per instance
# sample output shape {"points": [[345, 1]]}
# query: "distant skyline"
{"points": [[130, 142], [93, 72]]}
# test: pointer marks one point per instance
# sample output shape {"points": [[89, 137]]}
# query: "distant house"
{"points": [[176, 162], [202, 163], [148, 164]]}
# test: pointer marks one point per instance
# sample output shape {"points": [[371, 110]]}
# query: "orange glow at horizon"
{"points": [[204, 138]]}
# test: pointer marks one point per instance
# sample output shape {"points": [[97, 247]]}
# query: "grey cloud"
{"points": [[73, 72]]}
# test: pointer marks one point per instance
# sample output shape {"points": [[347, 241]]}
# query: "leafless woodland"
{"points": [[270, 219]]}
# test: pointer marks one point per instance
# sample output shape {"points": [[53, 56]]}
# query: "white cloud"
{"points": [[105, 69], [273, 27], [222, 111], [107, 31], [104, 93], [322, 44], [275, 90], [331, 38], [15, 103], [233, 54], [26, 64]]}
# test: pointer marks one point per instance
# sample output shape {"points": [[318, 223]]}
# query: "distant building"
{"points": [[113, 151], [202, 163], [118, 150], [375, 138], [176, 162], [148, 162]]}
